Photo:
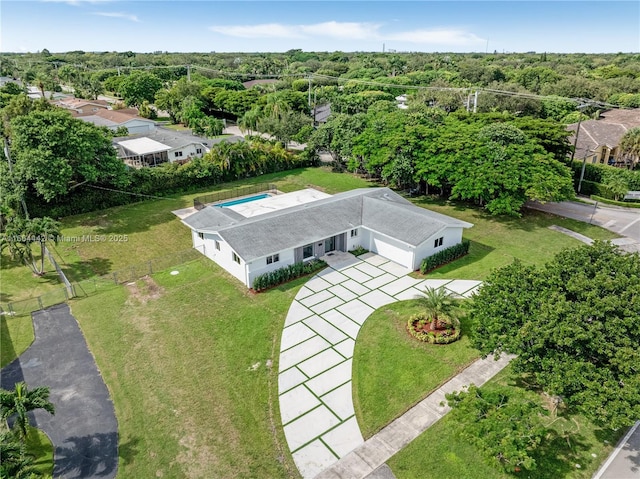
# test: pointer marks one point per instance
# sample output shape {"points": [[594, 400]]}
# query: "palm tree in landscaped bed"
{"points": [[20, 401], [440, 305]]}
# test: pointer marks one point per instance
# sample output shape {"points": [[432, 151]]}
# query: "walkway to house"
{"points": [[84, 430], [316, 352]]}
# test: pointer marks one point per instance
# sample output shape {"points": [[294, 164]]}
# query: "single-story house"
{"points": [[377, 219], [82, 106], [163, 145], [114, 119], [599, 140], [261, 81]]}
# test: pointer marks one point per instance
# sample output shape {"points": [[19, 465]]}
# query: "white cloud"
{"points": [[350, 31], [264, 30], [126, 16], [347, 30], [437, 37]]}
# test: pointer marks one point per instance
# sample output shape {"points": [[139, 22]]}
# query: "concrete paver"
{"points": [[316, 364]]}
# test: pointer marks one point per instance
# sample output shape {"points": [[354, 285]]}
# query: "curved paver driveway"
{"points": [[84, 430], [316, 352]]}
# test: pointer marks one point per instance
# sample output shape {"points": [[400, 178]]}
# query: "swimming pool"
{"points": [[242, 200]]}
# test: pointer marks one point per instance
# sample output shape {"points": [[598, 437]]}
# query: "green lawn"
{"points": [[17, 281], [439, 453], [496, 241], [185, 360], [392, 371], [39, 446]]}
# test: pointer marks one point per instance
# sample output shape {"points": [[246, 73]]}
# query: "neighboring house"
{"points": [[401, 102], [163, 145], [265, 81], [34, 93], [375, 218], [114, 119], [321, 114], [598, 140], [81, 106]]}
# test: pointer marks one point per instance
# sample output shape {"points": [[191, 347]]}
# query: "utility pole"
{"points": [[475, 102], [309, 92]]}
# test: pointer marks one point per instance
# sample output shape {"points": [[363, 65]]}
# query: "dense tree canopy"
{"points": [[52, 152], [575, 326]]}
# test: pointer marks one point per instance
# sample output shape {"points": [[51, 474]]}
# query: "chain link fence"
{"points": [[202, 201], [92, 286]]}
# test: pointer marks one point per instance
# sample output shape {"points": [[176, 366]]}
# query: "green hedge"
{"points": [[445, 256], [287, 273], [625, 204]]}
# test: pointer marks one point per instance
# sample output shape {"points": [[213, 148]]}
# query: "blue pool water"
{"points": [[241, 200]]}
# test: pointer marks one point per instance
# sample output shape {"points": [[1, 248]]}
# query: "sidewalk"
{"points": [[365, 459]]}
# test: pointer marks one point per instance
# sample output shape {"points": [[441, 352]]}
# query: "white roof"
{"points": [[143, 146]]}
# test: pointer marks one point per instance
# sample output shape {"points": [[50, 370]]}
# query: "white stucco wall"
{"points": [[361, 240], [260, 266], [223, 257], [451, 237], [139, 126], [189, 150]]}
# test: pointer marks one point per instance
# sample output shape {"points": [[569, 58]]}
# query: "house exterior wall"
{"points": [[361, 239], [259, 266], [139, 126], [450, 237], [223, 257], [187, 151]]}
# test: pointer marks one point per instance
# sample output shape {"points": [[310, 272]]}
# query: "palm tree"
{"points": [[16, 463], [21, 233], [440, 305], [630, 146], [20, 401]]}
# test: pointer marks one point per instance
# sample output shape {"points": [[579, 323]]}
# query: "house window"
{"points": [[177, 154], [201, 236], [438, 242], [235, 257], [199, 151], [354, 233], [273, 259], [218, 245], [307, 251]]}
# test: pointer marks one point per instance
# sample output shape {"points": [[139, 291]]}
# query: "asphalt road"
{"points": [[624, 221], [84, 429]]}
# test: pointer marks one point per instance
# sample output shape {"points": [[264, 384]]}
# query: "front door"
{"points": [[330, 244]]}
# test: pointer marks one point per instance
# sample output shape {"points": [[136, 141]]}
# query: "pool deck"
{"points": [[278, 202]]}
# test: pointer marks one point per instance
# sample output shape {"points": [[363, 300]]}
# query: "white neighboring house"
{"points": [[375, 218], [163, 145], [114, 119]]}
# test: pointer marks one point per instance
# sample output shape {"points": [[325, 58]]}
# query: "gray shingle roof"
{"points": [[212, 218], [378, 209]]}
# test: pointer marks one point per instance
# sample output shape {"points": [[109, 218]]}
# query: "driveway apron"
{"points": [[84, 429]]}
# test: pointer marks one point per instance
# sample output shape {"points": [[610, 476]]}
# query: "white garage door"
{"points": [[395, 253]]}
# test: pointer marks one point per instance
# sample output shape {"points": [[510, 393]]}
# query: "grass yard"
{"points": [[186, 360], [17, 281], [392, 371], [40, 447], [439, 453], [496, 241]]}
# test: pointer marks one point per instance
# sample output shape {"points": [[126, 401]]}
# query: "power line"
{"points": [[128, 192]]}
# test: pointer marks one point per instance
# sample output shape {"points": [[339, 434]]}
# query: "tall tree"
{"points": [[21, 234], [17, 403], [54, 152], [139, 86], [575, 326], [630, 146]]}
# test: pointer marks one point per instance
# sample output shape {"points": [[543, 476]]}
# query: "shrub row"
{"points": [[626, 204], [218, 166], [287, 273], [598, 174], [358, 251], [445, 337], [445, 256]]}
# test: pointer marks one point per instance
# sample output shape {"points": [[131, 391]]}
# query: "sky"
{"points": [[269, 26]]}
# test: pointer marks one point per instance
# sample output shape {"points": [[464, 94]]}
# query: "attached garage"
{"points": [[392, 249]]}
